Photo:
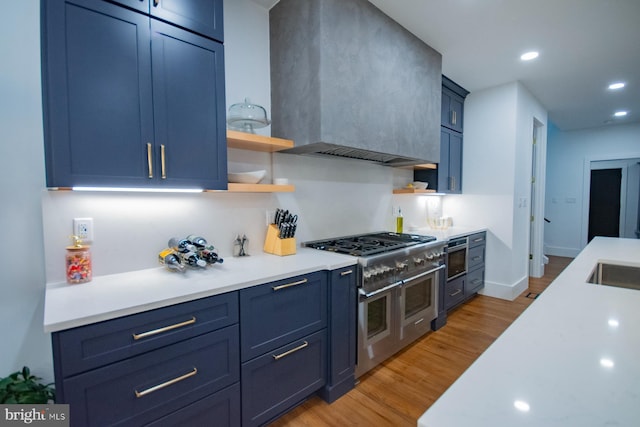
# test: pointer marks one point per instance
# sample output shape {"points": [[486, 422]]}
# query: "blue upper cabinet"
{"points": [[450, 166], [200, 16], [129, 100]]}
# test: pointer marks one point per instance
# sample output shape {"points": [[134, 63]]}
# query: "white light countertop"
{"points": [[570, 359], [448, 233], [107, 297]]}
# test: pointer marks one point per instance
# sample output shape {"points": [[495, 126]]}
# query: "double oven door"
{"points": [[391, 318]]}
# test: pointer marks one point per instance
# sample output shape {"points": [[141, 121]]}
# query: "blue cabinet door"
{"points": [[280, 379], [189, 108], [342, 333], [221, 409], [88, 347], [142, 389], [97, 92], [450, 166], [201, 16], [140, 5], [130, 101], [276, 313]]}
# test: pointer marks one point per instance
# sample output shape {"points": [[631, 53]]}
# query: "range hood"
{"points": [[348, 81]]}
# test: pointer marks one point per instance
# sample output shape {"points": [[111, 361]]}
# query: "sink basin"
{"points": [[622, 276]]}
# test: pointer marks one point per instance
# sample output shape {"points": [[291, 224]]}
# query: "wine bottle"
{"points": [[181, 245], [197, 241], [170, 259], [210, 256], [192, 259]]}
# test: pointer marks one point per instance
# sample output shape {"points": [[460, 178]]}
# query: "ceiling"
{"points": [[584, 45]]}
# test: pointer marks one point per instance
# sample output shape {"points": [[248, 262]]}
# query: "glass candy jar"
{"points": [[78, 262]]}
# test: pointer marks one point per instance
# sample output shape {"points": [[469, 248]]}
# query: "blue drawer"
{"points": [[87, 347], [146, 387], [274, 314]]}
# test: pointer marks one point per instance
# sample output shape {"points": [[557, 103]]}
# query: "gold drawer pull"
{"points": [[288, 285], [162, 162], [479, 239], [475, 258], [476, 281], [455, 293], [165, 329], [293, 350], [139, 394], [345, 273], [150, 159]]}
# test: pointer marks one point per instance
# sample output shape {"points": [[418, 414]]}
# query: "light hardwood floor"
{"points": [[397, 392]]}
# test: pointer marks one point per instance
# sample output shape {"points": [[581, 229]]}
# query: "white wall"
{"points": [[22, 277], [496, 176], [568, 157]]}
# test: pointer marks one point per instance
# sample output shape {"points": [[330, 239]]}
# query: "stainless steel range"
{"points": [[398, 280]]}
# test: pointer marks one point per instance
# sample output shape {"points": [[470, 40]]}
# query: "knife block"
{"points": [[277, 246]]}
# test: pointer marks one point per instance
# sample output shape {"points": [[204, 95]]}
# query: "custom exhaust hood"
{"points": [[348, 81]]}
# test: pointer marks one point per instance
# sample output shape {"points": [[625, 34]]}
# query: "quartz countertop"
{"points": [[448, 233], [107, 297], [570, 359]]}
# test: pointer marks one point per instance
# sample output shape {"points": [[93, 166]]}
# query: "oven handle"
{"points": [[366, 295], [424, 274]]}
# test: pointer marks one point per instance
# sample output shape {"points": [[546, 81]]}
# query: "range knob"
{"points": [[402, 266], [419, 261], [431, 256]]}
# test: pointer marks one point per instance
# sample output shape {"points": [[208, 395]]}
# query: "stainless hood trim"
{"points": [[326, 149]]}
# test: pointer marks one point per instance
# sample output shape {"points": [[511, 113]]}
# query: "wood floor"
{"points": [[397, 392]]}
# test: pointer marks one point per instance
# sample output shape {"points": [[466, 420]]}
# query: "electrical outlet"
{"points": [[83, 228]]}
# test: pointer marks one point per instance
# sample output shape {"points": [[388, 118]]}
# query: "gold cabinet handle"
{"points": [[293, 350], [455, 293], [479, 239], [164, 329], [455, 117], [476, 281], [288, 285], [150, 159], [475, 258], [139, 394], [162, 162], [346, 273]]}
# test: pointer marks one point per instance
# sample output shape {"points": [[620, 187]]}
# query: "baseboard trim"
{"points": [[560, 251], [505, 291]]}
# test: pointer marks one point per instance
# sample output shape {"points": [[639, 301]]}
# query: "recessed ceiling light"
{"points": [[620, 113], [617, 85], [529, 56]]}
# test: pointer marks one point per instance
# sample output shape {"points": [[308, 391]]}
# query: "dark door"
{"points": [[604, 203]]}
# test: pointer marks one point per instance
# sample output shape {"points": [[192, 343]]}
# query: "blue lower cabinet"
{"points": [[142, 389], [282, 378], [87, 347], [276, 313], [221, 409], [342, 333]]}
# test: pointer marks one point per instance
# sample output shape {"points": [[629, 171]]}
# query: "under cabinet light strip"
{"points": [[140, 190]]}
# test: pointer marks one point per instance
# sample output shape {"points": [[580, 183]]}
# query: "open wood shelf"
{"points": [[253, 142], [260, 188], [266, 144], [412, 191]]}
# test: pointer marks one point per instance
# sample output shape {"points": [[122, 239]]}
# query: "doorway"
{"points": [[604, 203]]}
